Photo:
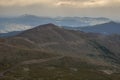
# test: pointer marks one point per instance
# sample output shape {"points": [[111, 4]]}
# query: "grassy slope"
{"points": [[27, 46], [66, 68], [11, 55]]}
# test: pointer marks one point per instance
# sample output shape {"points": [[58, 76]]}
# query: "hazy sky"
{"points": [[94, 8]]}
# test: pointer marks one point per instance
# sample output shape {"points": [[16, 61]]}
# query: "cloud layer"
{"points": [[89, 3], [68, 3], [104, 8], [23, 2]]}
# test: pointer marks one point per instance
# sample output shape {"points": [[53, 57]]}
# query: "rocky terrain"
{"points": [[48, 52]]}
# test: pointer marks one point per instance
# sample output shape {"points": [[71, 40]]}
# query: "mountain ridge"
{"points": [[29, 21], [69, 42], [106, 28], [78, 55]]}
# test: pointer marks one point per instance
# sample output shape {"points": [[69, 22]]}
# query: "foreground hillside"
{"points": [[48, 52]]}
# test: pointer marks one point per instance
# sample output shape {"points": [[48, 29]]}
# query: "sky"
{"points": [[53, 8]]}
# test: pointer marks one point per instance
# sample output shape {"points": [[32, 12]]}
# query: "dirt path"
{"points": [[34, 61]]}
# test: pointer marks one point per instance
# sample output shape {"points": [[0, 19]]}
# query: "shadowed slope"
{"points": [[66, 42]]}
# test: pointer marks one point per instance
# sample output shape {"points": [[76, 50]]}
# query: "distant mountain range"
{"points": [[106, 28], [9, 34], [29, 21]]}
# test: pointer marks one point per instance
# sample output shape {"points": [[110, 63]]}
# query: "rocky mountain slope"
{"points": [[80, 55]]}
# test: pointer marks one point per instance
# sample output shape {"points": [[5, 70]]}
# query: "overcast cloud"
{"points": [[95, 8]]}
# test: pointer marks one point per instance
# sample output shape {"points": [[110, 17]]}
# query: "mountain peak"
{"points": [[49, 25], [112, 22]]}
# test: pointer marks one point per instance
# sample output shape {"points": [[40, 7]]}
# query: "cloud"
{"points": [[23, 2], [88, 3], [57, 3], [104, 8]]}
